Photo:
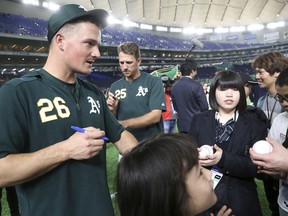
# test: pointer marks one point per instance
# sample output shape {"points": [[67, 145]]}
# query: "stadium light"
{"points": [[146, 26], [198, 31], [237, 29], [51, 6], [204, 31], [112, 20], [32, 2], [274, 25], [221, 30], [172, 29], [255, 27], [128, 23], [189, 30], [161, 28]]}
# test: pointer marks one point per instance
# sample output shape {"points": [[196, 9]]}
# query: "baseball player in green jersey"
{"points": [[137, 100], [56, 170]]}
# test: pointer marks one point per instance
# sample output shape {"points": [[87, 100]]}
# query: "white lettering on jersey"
{"points": [[142, 91], [95, 106]]}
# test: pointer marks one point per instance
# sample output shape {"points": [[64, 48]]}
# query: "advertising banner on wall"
{"points": [[273, 36], [250, 37], [232, 37], [215, 37]]}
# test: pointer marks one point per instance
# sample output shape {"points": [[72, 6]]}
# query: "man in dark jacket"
{"points": [[188, 96]]}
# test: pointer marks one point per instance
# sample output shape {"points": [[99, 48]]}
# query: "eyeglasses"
{"points": [[127, 62], [280, 98]]}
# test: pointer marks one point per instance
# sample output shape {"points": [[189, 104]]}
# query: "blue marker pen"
{"points": [[81, 130]]}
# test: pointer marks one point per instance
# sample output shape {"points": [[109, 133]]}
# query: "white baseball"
{"points": [[262, 147], [205, 150]]}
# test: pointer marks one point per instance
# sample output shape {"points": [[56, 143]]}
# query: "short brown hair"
{"points": [[267, 60], [129, 48]]}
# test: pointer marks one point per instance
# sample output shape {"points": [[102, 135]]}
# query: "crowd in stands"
{"points": [[20, 25], [224, 123], [111, 36]]}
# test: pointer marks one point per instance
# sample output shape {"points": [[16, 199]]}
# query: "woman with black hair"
{"points": [[231, 131], [162, 177]]}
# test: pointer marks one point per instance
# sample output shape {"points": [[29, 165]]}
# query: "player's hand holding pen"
{"points": [[112, 102], [85, 143]]}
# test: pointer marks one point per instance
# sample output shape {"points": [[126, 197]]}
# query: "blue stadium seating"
{"points": [[113, 36]]}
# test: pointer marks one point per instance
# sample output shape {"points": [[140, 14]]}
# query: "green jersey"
{"points": [[37, 111], [138, 98]]}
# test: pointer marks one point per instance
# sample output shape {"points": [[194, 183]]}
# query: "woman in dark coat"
{"points": [[231, 130]]}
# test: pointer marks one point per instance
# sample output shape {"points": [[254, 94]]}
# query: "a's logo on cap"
{"points": [[83, 8]]}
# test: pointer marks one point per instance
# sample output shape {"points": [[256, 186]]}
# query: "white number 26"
{"points": [[47, 106]]}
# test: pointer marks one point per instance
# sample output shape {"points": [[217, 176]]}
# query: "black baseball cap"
{"points": [[69, 12]]}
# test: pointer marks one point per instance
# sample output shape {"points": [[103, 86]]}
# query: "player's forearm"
{"points": [[143, 121], [126, 142], [20, 168]]}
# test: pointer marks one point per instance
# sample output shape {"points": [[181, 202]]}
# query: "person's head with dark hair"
{"points": [[268, 67], [130, 48], [129, 60], [281, 86], [279, 65], [74, 36], [267, 60], [189, 67], [162, 177], [282, 79], [227, 92], [248, 82], [167, 83]]}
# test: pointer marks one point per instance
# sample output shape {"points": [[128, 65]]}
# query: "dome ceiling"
{"points": [[192, 13]]}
